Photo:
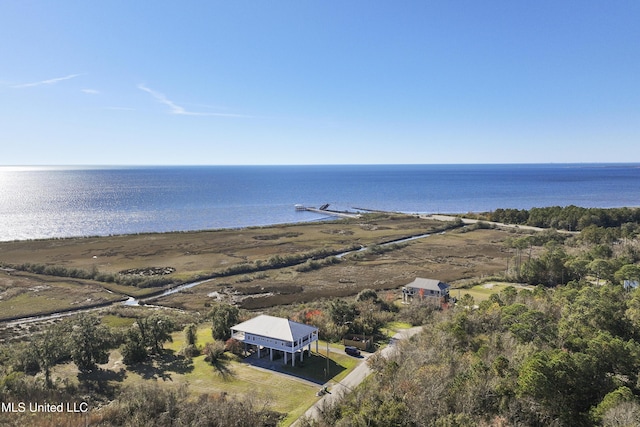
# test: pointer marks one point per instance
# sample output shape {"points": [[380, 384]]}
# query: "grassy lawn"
{"points": [[288, 390], [117, 321], [236, 377], [282, 393], [484, 291]]}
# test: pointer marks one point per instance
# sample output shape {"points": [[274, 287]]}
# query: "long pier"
{"points": [[341, 214]]}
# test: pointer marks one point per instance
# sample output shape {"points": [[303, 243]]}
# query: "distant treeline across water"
{"points": [[44, 202]]}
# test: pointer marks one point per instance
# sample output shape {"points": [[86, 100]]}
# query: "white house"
{"points": [[276, 333], [424, 288]]}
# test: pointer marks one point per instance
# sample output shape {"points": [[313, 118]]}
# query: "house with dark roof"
{"points": [[277, 335], [424, 288]]}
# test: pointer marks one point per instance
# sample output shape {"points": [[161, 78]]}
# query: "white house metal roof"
{"points": [[275, 327], [428, 284]]}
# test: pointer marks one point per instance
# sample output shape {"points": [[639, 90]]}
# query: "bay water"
{"points": [[57, 202]]}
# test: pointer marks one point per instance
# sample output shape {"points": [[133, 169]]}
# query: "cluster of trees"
{"points": [[146, 337], [572, 218], [568, 356], [566, 353], [552, 258], [223, 317], [85, 341], [364, 315], [334, 318]]}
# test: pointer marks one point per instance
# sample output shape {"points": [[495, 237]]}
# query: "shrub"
{"points": [[234, 346], [213, 351], [189, 351]]}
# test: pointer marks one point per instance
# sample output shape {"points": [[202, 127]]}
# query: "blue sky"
{"points": [[302, 82]]}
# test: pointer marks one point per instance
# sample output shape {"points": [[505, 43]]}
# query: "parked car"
{"points": [[352, 351]]}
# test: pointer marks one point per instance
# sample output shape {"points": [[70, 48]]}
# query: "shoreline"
{"points": [[331, 216], [42, 205], [148, 233]]}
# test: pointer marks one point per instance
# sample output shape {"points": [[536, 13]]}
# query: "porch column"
{"points": [[271, 354], [285, 357]]}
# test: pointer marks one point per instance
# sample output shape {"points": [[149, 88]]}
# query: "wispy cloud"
{"points": [[179, 110], [47, 82], [91, 91]]}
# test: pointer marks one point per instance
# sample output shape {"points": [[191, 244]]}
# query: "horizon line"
{"points": [[133, 165]]}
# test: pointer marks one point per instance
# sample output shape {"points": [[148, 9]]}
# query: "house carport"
{"points": [[276, 333]]}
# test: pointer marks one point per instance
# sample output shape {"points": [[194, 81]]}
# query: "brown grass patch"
{"points": [[450, 257], [25, 294]]}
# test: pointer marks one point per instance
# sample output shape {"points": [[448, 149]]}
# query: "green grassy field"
{"points": [[484, 291], [286, 389], [289, 390]]}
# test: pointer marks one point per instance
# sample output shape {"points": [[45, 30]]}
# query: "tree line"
{"points": [[571, 218], [563, 352], [551, 258]]}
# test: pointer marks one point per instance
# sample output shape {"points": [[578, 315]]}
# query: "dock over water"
{"points": [[323, 210]]}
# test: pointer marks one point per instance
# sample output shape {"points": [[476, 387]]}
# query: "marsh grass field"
{"points": [[449, 254]]}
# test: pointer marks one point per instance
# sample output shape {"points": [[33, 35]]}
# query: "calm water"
{"points": [[64, 202]]}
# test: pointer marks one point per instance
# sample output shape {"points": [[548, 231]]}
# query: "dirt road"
{"points": [[497, 224]]}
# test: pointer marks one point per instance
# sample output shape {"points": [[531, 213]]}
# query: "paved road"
{"points": [[355, 377]]}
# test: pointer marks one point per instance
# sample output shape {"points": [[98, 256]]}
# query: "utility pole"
{"points": [[327, 371]]}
